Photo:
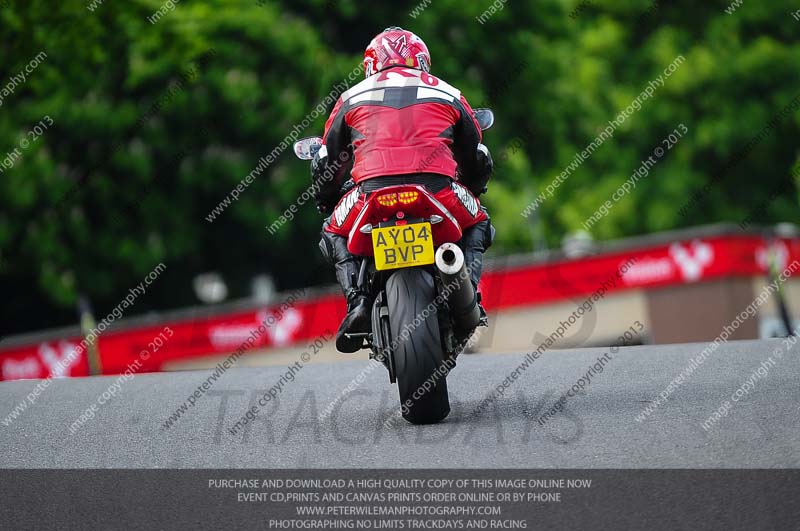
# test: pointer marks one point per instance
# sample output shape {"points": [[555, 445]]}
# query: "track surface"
{"points": [[598, 428]]}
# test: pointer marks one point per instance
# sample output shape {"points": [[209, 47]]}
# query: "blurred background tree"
{"points": [[155, 123]]}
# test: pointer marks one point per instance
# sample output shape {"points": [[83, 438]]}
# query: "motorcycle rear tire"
{"points": [[423, 390]]}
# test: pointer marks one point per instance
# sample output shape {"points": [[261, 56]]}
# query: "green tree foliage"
{"points": [[155, 123]]}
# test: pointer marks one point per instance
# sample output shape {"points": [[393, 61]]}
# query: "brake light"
{"points": [[387, 200], [408, 197]]}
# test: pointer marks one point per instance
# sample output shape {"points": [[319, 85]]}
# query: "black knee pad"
{"points": [[326, 247], [488, 229], [488, 236], [334, 248], [479, 237]]}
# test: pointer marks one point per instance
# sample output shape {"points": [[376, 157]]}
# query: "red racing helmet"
{"points": [[395, 46]]}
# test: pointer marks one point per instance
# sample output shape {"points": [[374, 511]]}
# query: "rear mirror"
{"points": [[306, 148], [485, 118]]}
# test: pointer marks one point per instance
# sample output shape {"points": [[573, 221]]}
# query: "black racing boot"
{"points": [[484, 320], [357, 321], [358, 318], [475, 241]]}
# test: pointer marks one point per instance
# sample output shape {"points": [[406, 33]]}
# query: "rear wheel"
{"points": [[419, 360]]}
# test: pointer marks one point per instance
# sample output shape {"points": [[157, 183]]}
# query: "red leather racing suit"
{"points": [[403, 122]]}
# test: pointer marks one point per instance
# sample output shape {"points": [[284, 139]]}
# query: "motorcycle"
{"points": [[425, 308]]}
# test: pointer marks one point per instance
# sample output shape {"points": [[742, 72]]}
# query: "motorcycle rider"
{"points": [[400, 125]]}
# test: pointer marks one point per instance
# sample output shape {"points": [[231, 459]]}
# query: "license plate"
{"points": [[402, 246]]}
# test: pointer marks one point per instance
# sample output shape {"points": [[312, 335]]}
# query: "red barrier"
{"points": [[505, 287]]}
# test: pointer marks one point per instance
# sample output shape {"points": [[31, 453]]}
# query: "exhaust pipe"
{"points": [[460, 295]]}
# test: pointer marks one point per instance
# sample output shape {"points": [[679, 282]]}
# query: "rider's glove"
{"points": [[325, 190], [322, 208], [326, 206], [348, 185], [477, 185], [318, 164]]}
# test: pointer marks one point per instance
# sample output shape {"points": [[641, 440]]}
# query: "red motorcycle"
{"points": [[425, 307]]}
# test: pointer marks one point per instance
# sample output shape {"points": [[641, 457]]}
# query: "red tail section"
{"points": [[403, 203]]}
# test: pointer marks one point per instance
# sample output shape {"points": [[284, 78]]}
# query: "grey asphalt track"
{"points": [[596, 429]]}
